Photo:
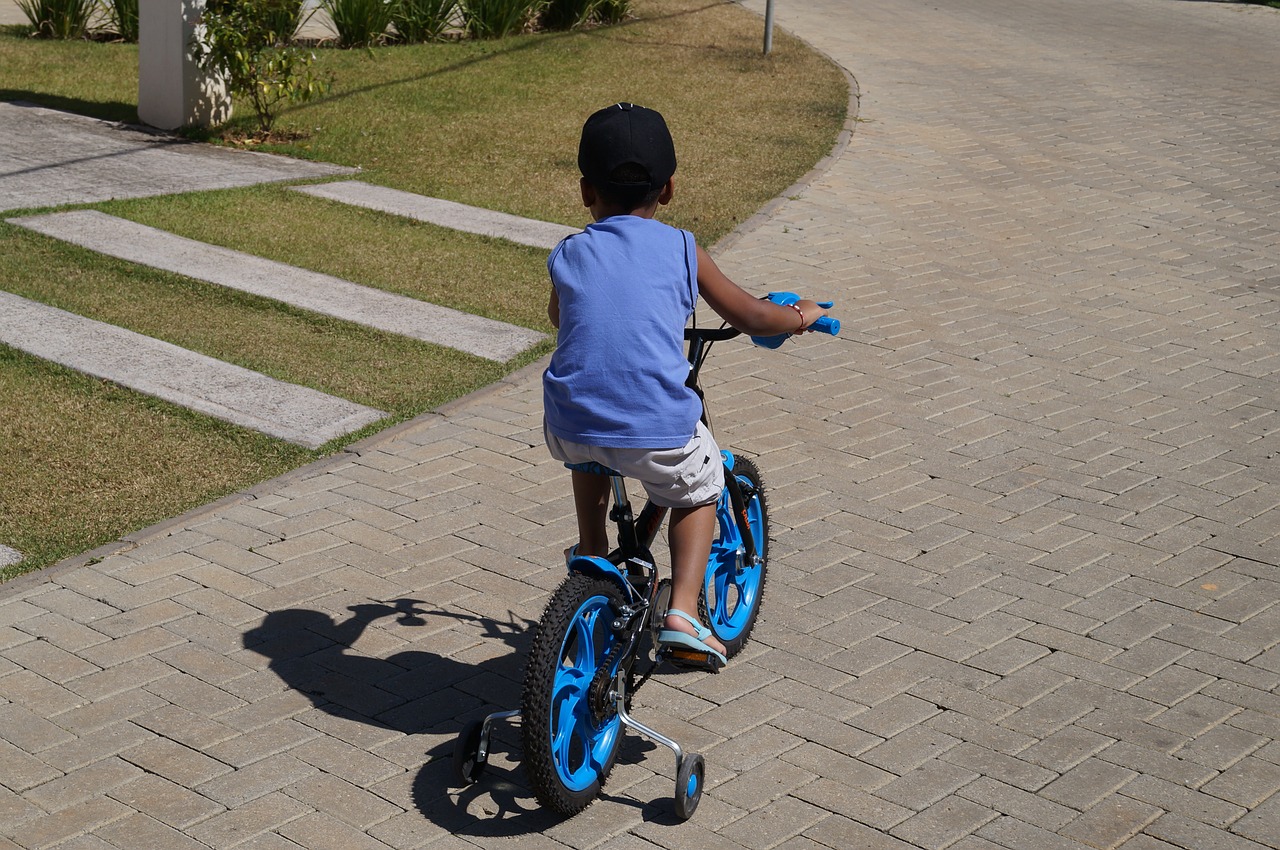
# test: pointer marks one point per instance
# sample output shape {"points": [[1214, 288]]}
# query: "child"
{"points": [[629, 277]]}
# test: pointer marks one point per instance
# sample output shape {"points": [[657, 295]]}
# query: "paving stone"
{"points": [[240, 396], [943, 823], [324, 294], [539, 234], [1017, 803], [165, 801], [142, 163], [254, 818], [342, 800], [1088, 782], [255, 780], [1023, 508], [1184, 832], [1259, 824]]}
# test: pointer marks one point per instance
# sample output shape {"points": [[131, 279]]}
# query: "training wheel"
{"points": [[689, 780], [468, 763]]}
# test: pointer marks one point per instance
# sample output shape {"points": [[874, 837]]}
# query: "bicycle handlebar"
{"points": [[711, 334], [824, 324]]}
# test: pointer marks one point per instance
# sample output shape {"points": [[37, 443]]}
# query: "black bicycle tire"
{"points": [[537, 698], [746, 468]]}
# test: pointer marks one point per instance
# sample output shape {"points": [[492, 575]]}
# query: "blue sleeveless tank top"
{"points": [[627, 286]]}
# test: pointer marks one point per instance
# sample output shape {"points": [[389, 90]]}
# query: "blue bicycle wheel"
{"points": [[570, 728], [733, 589]]}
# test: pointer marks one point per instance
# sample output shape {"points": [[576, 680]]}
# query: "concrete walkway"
{"points": [[251, 399], [1025, 518], [60, 158], [437, 211]]}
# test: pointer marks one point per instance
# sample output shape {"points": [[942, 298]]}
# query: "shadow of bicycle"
{"points": [[419, 692]]}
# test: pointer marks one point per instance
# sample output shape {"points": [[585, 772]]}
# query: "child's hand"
{"points": [[812, 311]]}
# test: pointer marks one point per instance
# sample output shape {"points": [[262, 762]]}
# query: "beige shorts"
{"points": [[673, 478]]}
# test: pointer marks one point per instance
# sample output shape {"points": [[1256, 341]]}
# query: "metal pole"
{"points": [[768, 27]]}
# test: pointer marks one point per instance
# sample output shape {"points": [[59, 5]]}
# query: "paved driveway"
{"points": [[1023, 587]]}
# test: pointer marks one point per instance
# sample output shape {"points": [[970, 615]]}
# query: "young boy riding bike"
{"points": [[622, 293]]}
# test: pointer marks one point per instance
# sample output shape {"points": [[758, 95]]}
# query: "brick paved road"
{"points": [[1023, 591]]}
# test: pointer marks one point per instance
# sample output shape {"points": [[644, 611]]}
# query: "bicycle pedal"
{"points": [[688, 660]]}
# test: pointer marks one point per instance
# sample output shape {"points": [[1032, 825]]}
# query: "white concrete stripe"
{"points": [[290, 412], [321, 293], [49, 158], [526, 231], [9, 556]]}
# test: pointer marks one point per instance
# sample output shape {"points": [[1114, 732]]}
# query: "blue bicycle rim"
{"points": [[580, 746], [736, 593]]}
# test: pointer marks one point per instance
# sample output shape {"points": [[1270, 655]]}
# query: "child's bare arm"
{"points": [[553, 308], [744, 311]]}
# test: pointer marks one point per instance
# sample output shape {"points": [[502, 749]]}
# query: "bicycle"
{"points": [[581, 671]]}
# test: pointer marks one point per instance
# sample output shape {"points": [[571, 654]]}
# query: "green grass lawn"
{"points": [[493, 124]]}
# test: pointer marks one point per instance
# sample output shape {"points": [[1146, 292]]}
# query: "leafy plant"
{"points": [[497, 18], [58, 18], [612, 11], [359, 23], [123, 17], [283, 17], [236, 39], [422, 20], [566, 14]]}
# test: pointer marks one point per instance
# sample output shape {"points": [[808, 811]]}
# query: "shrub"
{"points": [[123, 18], [236, 40], [567, 14], [612, 11], [359, 23], [283, 17], [421, 20], [497, 18], [58, 18]]}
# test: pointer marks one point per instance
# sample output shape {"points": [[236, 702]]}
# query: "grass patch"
{"points": [[393, 373], [494, 124], [82, 456], [98, 79], [487, 277]]}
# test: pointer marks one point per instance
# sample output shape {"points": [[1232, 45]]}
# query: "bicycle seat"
{"points": [[592, 467]]}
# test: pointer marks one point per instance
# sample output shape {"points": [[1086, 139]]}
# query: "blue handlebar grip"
{"points": [[826, 324]]}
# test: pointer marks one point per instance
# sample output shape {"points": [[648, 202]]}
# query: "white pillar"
{"points": [[173, 91]]}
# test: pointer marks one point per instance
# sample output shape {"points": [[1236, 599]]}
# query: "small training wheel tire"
{"points": [[467, 766], [689, 781]]}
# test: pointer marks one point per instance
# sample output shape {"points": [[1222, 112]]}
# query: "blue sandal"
{"points": [[689, 651]]}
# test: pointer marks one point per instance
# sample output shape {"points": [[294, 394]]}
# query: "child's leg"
{"points": [[691, 532], [591, 501]]}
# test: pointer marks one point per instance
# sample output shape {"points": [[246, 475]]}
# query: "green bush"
{"points": [[567, 14], [359, 23], [612, 11], [58, 18], [238, 41], [497, 18], [123, 18], [283, 17], [422, 20]]}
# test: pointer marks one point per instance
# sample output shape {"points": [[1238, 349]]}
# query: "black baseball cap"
{"points": [[625, 134]]}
